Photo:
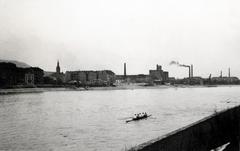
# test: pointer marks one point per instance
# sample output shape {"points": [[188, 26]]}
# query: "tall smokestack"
{"points": [[125, 70], [182, 65], [191, 70], [221, 74], [229, 73]]}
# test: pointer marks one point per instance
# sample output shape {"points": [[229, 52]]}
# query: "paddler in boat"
{"points": [[138, 115]]}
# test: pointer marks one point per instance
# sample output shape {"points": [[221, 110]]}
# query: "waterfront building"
{"points": [[140, 78], [91, 75], [225, 80], [158, 75], [56, 77], [11, 75], [29, 78], [91, 78], [8, 74], [38, 74]]}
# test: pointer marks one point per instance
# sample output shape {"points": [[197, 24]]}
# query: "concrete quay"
{"points": [[221, 130]]}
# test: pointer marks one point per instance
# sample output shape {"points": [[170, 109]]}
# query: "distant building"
{"points": [[38, 74], [11, 75], [196, 80], [159, 75], [140, 78], [91, 78], [224, 80], [29, 79], [8, 74], [54, 77]]}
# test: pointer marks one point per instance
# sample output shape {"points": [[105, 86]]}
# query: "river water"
{"points": [[95, 120]]}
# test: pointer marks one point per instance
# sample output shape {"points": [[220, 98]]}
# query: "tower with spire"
{"points": [[58, 68]]}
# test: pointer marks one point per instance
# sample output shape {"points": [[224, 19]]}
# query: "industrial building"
{"points": [[139, 78], [90, 78], [224, 80], [158, 75]]}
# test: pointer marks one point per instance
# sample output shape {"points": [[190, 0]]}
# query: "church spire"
{"points": [[58, 68]]}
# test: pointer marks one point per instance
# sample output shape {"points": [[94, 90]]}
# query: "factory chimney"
{"points": [[191, 70], [221, 74], [159, 67], [229, 73], [125, 70]]}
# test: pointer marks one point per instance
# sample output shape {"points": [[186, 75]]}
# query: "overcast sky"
{"points": [[103, 34]]}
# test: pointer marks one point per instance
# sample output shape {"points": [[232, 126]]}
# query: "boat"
{"points": [[138, 118]]}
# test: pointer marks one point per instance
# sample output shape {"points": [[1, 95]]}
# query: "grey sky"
{"points": [[103, 34]]}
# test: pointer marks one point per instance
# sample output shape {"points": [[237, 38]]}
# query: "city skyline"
{"points": [[104, 34], [189, 68]]}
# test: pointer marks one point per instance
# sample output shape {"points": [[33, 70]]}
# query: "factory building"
{"points": [[158, 75], [91, 78], [139, 78], [224, 80]]}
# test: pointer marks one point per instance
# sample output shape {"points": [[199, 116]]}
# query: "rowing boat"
{"points": [[138, 118]]}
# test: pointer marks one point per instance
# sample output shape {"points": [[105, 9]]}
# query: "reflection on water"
{"points": [[95, 120]]}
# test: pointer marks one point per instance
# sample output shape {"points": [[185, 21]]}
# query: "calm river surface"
{"points": [[95, 120]]}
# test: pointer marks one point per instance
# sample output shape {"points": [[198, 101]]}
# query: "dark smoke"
{"points": [[178, 64], [173, 63]]}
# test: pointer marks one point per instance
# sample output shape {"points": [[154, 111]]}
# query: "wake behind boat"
{"points": [[138, 117]]}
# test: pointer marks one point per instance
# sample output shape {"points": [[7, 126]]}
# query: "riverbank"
{"points": [[118, 87], [40, 90], [28, 90]]}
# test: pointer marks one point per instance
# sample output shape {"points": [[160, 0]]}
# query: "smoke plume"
{"points": [[178, 64]]}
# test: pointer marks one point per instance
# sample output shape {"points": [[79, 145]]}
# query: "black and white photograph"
{"points": [[119, 75]]}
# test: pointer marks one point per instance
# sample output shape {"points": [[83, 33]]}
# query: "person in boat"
{"points": [[145, 114], [139, 115]]}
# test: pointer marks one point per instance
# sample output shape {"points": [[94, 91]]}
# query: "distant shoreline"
{"points": [[49, 89], [119, 87]]}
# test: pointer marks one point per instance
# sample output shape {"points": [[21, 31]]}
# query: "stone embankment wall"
{"points": [[204, 135]]}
